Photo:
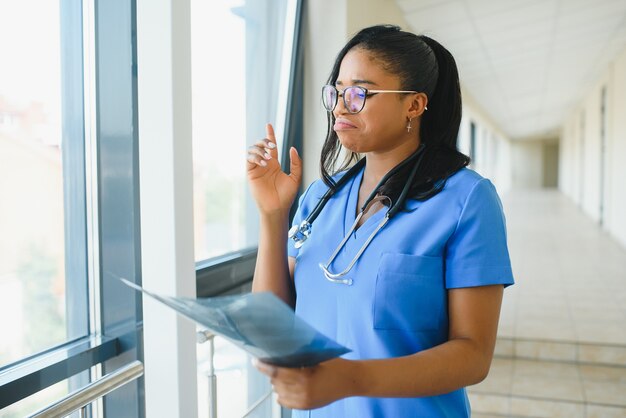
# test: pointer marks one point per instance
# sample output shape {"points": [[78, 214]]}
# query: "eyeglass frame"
{"points": [[367, 92]]}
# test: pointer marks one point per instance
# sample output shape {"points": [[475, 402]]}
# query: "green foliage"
{"points": [[224, 200], [44, 316]]}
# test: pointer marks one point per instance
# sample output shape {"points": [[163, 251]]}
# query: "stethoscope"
{"points": [[300, 233]]}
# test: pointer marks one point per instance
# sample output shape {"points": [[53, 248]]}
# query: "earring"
{"points": [[408, 125], [425, 107]]}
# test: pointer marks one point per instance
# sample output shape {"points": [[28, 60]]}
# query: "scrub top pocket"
{"points": [[410, 293]]}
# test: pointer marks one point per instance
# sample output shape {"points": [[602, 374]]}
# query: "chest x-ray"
{"points": [[259, 323]]}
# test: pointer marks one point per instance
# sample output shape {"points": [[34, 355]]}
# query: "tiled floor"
{"points": [[561, 348], [570, 274], [518, 387]]}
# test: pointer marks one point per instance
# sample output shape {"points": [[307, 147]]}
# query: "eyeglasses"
{"points": [[353, 97]]}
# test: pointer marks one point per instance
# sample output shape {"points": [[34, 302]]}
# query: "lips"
{"points": [[342, 124]]}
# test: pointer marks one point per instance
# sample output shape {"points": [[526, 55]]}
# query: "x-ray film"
{"points": [[260, 323]]}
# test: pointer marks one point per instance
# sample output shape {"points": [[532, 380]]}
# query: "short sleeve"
{"points": [[300, 215], [477, 253]]}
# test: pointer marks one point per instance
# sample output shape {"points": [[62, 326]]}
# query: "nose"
{"points": [[340, 108]]}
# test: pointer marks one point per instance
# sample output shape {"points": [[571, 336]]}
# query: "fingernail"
{"points": [[271, 145], [263, 163], [267, 156]]}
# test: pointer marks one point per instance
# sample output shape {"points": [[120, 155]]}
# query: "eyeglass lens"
{"points": [[353, 98]]}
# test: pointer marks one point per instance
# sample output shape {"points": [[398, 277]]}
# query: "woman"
{"points": [[419, 307]]}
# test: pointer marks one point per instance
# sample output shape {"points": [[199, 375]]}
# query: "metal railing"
{"points": [[203, 337], [206, 336], [80, 399]]}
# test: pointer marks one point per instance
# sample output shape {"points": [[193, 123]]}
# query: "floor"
{"points": [[570, 273], [561, 347]]}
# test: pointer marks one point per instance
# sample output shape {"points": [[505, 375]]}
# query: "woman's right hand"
{"points": [[272, 189]]}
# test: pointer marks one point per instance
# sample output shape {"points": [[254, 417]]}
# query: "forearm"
{"points": [[271, 273], [442, 369]]}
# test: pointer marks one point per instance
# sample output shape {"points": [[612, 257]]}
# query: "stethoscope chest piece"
{"points": [[300, 233]]}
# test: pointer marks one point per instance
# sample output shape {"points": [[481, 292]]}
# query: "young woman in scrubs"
{"points": [[421, 312]]}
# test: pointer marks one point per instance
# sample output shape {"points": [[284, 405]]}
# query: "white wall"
{"points": [[347, 17], [616, 170], [527, 164], [580, 153], [493, 157], [534, 163]]}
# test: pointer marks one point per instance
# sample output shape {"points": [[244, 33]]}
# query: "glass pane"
{"points": [[36, 402], [32, 268], [240, 386], [237, 52]]}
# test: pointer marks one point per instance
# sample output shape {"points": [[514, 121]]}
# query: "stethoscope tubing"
{"points": [[300, 233]]}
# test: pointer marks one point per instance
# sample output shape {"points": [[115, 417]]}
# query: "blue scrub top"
{"points": [[397, 304]]}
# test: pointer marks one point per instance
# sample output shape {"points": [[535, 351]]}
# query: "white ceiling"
{"points": [[527, 63]]}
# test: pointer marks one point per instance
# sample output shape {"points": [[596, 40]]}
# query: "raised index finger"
{"points": [[269, 129]]}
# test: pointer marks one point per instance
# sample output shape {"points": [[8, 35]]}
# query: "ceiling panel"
{"points": [[438, 16], [526, 62]]}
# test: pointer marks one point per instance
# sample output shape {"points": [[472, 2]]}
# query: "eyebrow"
{"points": [[357, 81]]}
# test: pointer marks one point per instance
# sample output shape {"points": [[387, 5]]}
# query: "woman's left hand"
{"points": [[311, 387]]}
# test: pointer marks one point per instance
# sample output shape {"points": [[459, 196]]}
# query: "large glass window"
{"points": [[242, 56], [43, 256], [68, 201], [32, 247], [237, 78]]}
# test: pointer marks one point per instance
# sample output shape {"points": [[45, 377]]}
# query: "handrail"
{"points": [[257, 403], [92, 392], [28, 376]]}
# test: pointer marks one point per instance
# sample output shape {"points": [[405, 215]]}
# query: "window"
{"points": [[68, 201], [33, 270], [238, 84], [244, 72], [85, 134]]}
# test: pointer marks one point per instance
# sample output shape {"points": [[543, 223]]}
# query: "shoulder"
{"points": [[465, 188], [466, 182]]}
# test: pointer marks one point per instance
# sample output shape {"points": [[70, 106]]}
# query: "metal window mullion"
{"points": [[74, 176], [91, 165], [294, 125], [91, 185]]}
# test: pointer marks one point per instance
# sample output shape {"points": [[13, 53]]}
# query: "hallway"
{"points": [[561, 347]]}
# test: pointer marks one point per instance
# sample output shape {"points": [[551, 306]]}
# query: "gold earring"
{"points": [[408, 125]]}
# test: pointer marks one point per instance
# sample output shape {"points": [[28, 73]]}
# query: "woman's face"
{"points": [[381, 126]]}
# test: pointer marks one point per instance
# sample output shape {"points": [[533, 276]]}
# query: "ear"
{"points": [[418, 105]]}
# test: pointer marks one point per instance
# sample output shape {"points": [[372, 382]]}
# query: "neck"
{"points": [[380, 163]]}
